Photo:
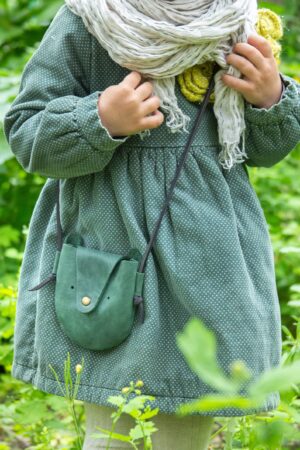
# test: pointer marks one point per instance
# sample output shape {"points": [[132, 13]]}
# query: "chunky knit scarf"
{"points": [[162, 38]]}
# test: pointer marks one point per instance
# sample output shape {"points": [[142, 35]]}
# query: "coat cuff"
{"points": [[276, 113], [282, 85], [91, 127]]}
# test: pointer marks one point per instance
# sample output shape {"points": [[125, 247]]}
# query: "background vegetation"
{"points": [[32, 419]]}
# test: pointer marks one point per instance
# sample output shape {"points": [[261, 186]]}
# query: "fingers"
{"points": [[152, 121], [261, 44], [149, 106], [132, 80], [142, 89], [145, 90], [243, 65], [240, 85], [253, 52], [148, 109]]}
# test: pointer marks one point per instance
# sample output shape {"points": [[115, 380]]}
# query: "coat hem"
{"points": [[99, 395]]}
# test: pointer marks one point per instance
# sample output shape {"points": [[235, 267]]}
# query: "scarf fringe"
{"points": [[176, 120], [229, 109], [232, 154]]}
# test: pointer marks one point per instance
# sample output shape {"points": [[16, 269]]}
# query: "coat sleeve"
{"points": [[272, 133], [53, 126]]}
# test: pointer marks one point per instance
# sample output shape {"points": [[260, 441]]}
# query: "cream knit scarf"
{"points": [[162, 38]]}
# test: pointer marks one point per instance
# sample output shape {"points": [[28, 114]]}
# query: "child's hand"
{"points": [[261, 83], [129, 107]]}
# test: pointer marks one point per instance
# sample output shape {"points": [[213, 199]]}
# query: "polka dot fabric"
{"points": [[212, 258]]}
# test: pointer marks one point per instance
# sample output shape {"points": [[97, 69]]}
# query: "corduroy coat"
{"points": [[212, 258]]}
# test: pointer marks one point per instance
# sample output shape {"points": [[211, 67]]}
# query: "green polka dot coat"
{"points": [[212, 258]]}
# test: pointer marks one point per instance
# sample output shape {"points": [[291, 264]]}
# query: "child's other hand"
{"points": [[129, 107], [261, 83]]}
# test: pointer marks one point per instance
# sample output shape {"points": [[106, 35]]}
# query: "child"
{"points": [[82, 117]]}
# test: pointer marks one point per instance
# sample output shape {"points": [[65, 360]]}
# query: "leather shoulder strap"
{"points": [[196, 125]]}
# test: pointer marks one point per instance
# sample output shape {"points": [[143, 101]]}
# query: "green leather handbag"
{"points": [[97, 292], [94, 292]]}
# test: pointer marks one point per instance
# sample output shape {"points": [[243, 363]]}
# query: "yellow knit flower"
{"points": [[269, 25], [194, 81]]}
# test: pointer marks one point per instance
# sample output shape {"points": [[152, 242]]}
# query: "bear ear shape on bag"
{"points": [[193, 81]]}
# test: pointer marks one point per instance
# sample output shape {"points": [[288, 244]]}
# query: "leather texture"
{"points": [[107, 283]]}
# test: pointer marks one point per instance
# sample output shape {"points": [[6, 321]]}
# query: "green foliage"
{"points": [[69, 391], [22, 25], [7, 315], [289, 10], [198, 345], [19, 192], [130, 401], [245, 430], [278, 190], [135, 407], [203, 359], [52, 425]]}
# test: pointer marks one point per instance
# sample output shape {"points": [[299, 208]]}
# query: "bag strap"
{"points": [[138, 299], [197, 122], [59, 243]]}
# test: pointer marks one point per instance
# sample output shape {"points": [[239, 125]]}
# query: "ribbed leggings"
{"points": [[174, 433]]}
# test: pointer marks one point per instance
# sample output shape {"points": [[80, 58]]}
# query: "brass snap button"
{"points": [[85, 301]]}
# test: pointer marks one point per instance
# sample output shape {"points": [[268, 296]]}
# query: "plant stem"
{"points": [[144, 437], [59, 383], [111, 432], [217, 432], [73, 412]]}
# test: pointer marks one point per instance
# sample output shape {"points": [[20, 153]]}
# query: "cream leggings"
{"points": [[174, 433]]}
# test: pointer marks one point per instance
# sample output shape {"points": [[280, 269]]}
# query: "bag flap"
{"points": [[93, 269]]}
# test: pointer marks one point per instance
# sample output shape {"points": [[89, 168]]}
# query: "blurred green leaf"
{"points": [[279, 379], [198, 345]]}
